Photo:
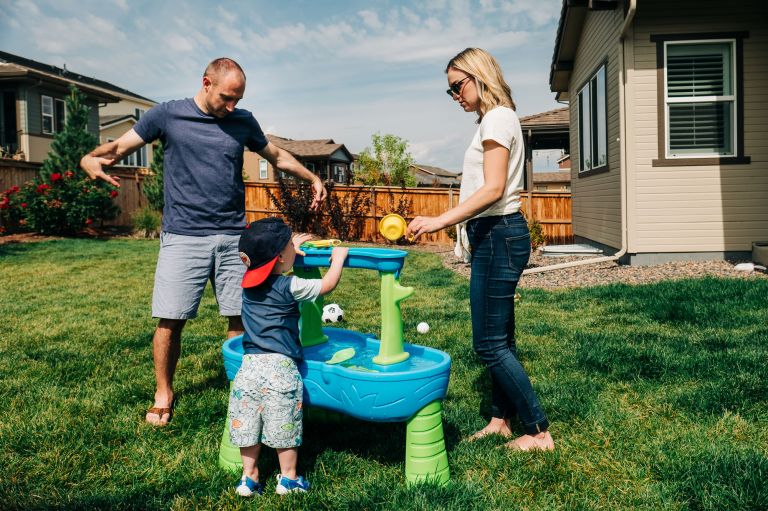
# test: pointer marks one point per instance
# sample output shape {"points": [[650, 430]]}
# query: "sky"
{"points": [[316, 69]]}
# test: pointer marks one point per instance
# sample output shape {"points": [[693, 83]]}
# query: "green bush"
{"points": [[146, 222], [538, 238], [61, 199]]}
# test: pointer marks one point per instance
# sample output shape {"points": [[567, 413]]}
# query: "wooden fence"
{"points": [[129, 199], [552, 210]]}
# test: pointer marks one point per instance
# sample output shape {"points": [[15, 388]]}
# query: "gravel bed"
{"points": [[607, 272]]}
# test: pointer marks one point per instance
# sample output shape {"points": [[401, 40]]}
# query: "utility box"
{"points": [[760, 252]]}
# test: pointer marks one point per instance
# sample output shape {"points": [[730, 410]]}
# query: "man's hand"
{"points": [[320, 194], [92, 165], [298, 240]]}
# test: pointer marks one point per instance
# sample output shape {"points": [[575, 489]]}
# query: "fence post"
{"points": [[373, 214]]}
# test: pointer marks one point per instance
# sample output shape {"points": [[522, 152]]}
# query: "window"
{"points": [[700, 89], [700, 97], [47, 115], [263, 169], [338, 173], [54, 115], [593, 133], [310, 166]]}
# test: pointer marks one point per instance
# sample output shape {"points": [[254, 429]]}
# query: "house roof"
{"points": [[551, 177], [16, 66], [317, 148], [429, 175], [569, 28], [551, 118], [111, 120]]}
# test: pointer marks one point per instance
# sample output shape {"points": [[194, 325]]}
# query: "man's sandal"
{"points": [[160, 411]]}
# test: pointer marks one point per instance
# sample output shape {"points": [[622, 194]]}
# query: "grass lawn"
{"points": [[657, 394]]}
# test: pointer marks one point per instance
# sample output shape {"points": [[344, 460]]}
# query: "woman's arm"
{"points": [[495, 167]]}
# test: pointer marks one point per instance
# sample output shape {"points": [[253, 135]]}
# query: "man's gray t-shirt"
{"points": [[202, 166]]}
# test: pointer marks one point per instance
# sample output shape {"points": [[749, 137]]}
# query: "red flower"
{"points": [[113, 193], [56, 176], [23, 204], [43, 187], [88, 221], [13, 189], [69, 174]]}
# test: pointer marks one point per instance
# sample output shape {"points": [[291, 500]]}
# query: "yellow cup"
{"points": [[392, 226]]}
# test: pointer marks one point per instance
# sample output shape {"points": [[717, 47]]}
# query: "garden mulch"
{"points": [[607, 272]]}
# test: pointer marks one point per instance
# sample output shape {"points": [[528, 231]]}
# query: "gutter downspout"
{"points": [[622, 161]]}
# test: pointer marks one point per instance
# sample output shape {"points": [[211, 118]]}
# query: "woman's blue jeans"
{"points": [[501, 246]]}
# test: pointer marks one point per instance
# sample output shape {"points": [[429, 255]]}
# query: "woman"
{"points": [[496, 235]]}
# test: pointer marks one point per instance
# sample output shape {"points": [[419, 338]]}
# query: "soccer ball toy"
{"points": [[332, 313]]}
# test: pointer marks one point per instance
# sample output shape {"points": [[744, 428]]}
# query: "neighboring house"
{"points": [[427, 175], [546, 131], [32, 108], [327, 159], [552, 181], [117, 118], [668, 123]]}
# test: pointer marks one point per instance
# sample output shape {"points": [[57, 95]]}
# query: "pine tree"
{"points": [[153, 184], [70, 144]]}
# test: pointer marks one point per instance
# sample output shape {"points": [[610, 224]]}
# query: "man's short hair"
{"points": [[221, 66]]}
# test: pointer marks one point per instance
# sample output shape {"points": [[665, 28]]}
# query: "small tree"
{"points": [[153, 184], [387, 164], [293, 201], [346, 213], [62, 199]]}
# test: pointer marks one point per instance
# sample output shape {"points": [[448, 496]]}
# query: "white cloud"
{"points": [[371, 19]]}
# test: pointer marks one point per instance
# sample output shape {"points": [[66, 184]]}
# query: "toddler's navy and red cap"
{"points": [[260, 245]]}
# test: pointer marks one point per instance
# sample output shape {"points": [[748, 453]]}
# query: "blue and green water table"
{"points": [[384, 380]]}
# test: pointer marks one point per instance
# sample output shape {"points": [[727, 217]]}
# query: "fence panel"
{"points": [[552, 210]]}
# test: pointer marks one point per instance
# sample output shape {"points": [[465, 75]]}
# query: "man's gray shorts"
{"points": [[186, 264]]}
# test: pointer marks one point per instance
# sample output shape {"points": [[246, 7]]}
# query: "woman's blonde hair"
{"points": [[492, 90]]}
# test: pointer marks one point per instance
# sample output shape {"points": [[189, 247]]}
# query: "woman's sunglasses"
{"points": [[455, 87]]}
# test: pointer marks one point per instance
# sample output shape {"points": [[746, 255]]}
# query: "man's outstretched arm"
{"points": [[283, 160], [108, 154]]}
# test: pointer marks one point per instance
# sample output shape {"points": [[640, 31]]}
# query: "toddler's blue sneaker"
{"points": [[248, 487], [285, 485]]}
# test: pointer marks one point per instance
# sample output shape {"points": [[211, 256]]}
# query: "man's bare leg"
{"points": [[166, 348], [235, 327]]}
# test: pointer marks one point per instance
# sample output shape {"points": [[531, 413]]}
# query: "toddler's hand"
{"points": [[339, 253], [298, 239]]}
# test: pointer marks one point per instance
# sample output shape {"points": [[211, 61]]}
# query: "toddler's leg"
{"points": [[250, 456], [288, 459]]}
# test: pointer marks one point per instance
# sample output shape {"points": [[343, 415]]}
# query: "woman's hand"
{"points": [[423, 225]]}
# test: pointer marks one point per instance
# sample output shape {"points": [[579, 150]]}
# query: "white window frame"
{"points": [[338, 172], [263, 170], [594, 131], [733, 98], [45, 115]]}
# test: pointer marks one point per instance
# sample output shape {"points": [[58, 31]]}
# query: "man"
{"points": [[204, 210]]}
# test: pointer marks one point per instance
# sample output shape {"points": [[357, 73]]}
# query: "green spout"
{"points": [[310, 323], [392, 293]]}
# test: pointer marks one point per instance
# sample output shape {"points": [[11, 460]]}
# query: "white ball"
{"points": [[422, 327], [332, 313]]}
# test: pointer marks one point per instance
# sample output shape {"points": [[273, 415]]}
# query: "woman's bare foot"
{"points": [[496, 426], [538, 442]]}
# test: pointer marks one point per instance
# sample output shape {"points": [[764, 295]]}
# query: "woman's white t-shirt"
{"points": [[502, 126]]}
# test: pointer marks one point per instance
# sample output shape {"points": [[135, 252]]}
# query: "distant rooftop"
{"points": [[556, 117], [312, 148]]}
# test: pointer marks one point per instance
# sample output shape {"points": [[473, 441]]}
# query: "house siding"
{"points": [[712, 208], [596, 199]]}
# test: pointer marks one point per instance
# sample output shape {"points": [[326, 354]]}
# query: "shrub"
{"points": [[153, 184], [293, 201], [146, 222], [346, 213], [538, 238], [61, 199]]}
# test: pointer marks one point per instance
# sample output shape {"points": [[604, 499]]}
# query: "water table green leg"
{"points": [[425, 456]]}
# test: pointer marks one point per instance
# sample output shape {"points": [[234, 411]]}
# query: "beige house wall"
{"points": [[596, 199], [708, 208], [39, 147], [251, 168], [125, 106]]}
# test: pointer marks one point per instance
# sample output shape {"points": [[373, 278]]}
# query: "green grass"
{"points": [[657, 395]]}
